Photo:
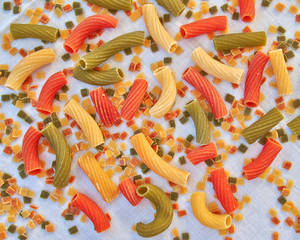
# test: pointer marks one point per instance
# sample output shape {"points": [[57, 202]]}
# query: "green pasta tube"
{"points": [[63, 155], [164, 211], [175, 7], [294, 125], [200, 121], [105, 51], [259, 128], [100, 78], [239, 40], [125, 5], [44, 33]]}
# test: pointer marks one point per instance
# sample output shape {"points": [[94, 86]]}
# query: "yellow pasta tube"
{"points": [[155, 163], [156, 29], [282, 77], [87, 124], [205, 217], [215, 68], [28, 65], [104, 185], [168, 94]]}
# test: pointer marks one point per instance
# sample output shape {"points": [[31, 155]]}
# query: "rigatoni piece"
{"points": [[202, 153], [294, 125], [128, 189], [125, 5], [175, 7], [247, 9], [104, 185], [263, 125]]}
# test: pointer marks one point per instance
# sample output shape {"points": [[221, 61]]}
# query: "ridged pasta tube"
{"points": [[63, 155], [100, 78], [108, 49], [215, 68], [156, 164], [104, 185], [164, 211], [125, 5], [45, 33], [28, 65], [168, 94], [205, 217], [294, 125], [200, 121], [156, 29], [87, 124], [175, 7]]}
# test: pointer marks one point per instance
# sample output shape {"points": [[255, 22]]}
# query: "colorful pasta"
{"points": [[85, 28], [284, 85], [206, 89], [263, 160], [92, 210], [45, 33], [223, 190], [63, 155], [134, 99], [28, 65], [87, 124], [168, 94], [253, 79], [203, 26], [247, 9], [156, 29], [205, 217], [202, 153], [30, 156], [108, 49], [125, 5], [105, 109], [215, 68], [240, 40], [100, 78], [200, 121], [175, 7], [51, 86], [128, 189], [294, 125], [263, 125], [155, 163], [104, 185], [164, 211]]}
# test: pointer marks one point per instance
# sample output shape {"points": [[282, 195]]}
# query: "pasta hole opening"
{"points": [[251, 104], [181, 11], [142, 190], [228, 220], [82, 64], [120, 72], [274, 141], [159, 70], [35, 172], [182, 32], [185, 72], [190, 102], [69, 49], [247, 19], [74, 197], [173, 47], [45, 112]]}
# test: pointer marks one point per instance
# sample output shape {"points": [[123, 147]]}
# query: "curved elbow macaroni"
{"points": [[215, 68], [205, 217], [28, 65], [155, 163], [156, 29], [168, 95], [88, 125], [282, 77]]}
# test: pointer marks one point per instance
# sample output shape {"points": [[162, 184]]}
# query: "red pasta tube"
{"points": [[85, 28], [263, 160], [51, 86], [30, 151], [105, 109], [203, 26], [202, 153], [247, 10], [253, 79], [134, 99], [92, 210], [223, 190], [128, 189], [211, 95]]}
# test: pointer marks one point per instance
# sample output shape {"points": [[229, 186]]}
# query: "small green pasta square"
{"points": [[12, 228], [209, 162], [78, 11], [66, 57], [242, 148], [7, 6], [73, 230], [189, 14], [44, 194], [174, 196], [167, 17], [27, 200], [224, 7], [84, 92], [236, 16], [229, 98], [213, 10], [182, 160], [76, 5], [128, 51], [266, 3], [183, 120], [16, 9], [144, 168], [5, 97], [281, 30], [69, 24], [38, 48]]}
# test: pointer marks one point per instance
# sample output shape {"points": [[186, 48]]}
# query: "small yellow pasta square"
{"points": [[293, 138], [75, 57], [290, 110], [95, 8], [76, 97], [137, 50], [134, 16], [80, 18], [38, 12], [178, 37], [276, 172], [40, 75], [221, 143], [272, 212], [216, 134], [238, 217], [63, 96], [141, 75], [279, 181], [64, 34], [105, 67], [272, 29], [290, 183], [293, 9], [118, 57], [279, 7], [197, 16], [201, 186], [58, 12], [29, 12]]}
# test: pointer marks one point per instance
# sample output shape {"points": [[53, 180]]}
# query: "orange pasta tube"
{"points": [[202, 153], [263, 160], [247, 9], [128, 189], [51, 86], [104, 185], [155, 163], [92, 210]]}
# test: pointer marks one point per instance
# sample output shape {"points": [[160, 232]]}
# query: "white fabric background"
{"points": [[256, 223]]}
